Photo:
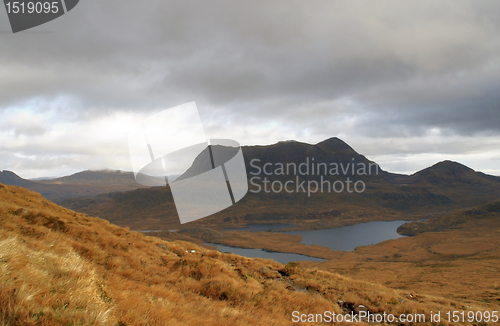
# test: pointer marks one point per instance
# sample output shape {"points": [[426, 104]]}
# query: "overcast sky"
{"points": [[407, 84]]}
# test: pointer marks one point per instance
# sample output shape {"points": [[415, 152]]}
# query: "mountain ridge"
{"points": [[444, 186], [63, 188]]}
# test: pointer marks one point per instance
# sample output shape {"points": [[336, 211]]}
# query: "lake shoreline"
{"points": [[308, 243]]}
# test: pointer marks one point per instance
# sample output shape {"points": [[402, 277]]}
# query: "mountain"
{"points": [[443, 187], [100, 178], [65, 268], [449, 172], [10, 178], [210, 157], [83, 184], [332, 150]]}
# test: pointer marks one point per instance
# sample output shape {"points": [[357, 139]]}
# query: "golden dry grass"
{"points": [[59, 267]]}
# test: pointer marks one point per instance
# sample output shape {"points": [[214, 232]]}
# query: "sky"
{"points": [[405, 83]]}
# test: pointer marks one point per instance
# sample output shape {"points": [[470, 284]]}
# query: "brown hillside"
{"points": [[59, 267]]}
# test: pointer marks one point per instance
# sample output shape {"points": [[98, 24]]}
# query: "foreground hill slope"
{"points": [[58, 267]]}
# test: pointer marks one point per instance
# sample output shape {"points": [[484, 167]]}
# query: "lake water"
{"points": [[262, 227], [280, 257], [147, 231], [349, 237], [344, 239]]}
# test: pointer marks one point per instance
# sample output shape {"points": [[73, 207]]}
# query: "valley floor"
{"points": [[461, 263]]}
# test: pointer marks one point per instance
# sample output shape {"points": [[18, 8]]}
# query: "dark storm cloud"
{"points": [[404, 66]]}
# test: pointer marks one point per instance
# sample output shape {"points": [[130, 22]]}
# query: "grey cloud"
{"points": [[374, 69], [30, 130], [24, 125], [226, 51]]}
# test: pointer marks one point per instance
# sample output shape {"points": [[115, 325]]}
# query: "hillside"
{"points": [[140, 209], [486, 213], [443, 187], [59, 267], [82, 184]]}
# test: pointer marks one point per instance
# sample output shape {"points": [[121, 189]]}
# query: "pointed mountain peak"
{"points": [[451, 166], [447, 172], [335, 144]]}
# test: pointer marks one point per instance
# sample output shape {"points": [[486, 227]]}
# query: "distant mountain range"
{"points": [[82, 184], [443, 187]]}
